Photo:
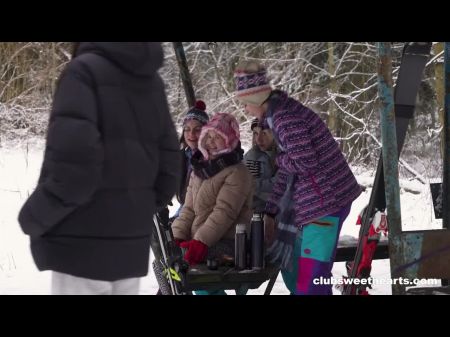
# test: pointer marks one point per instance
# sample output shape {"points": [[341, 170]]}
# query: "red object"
{"points": [[178, 242], [370, 241], [200, 105], [369, 247], [196, 251]]}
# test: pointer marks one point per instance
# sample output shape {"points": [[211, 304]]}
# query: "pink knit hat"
{"points": [[227, 127]]}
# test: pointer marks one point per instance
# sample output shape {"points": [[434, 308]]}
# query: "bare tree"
{"points": [[337, 80]]}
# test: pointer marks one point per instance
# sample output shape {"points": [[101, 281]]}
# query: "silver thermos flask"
{"points": [[257, 241], [240, 254]]}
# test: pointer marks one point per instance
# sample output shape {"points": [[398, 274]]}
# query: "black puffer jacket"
{"points": [[111, 158]]}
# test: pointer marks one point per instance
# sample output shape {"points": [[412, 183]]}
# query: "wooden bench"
{"points": [[347, 249], [202, 278]]}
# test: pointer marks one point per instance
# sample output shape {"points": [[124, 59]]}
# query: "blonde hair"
{"points": [[250, 67]]}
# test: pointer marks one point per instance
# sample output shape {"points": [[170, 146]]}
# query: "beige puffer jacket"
{"points": [[214, 206]]}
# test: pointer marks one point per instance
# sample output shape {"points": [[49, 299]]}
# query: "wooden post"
{"points": [[185, 75]]}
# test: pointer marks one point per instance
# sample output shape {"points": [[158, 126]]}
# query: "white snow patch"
{"points": [[19, 171]]}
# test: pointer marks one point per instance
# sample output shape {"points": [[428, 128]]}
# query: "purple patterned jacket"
{"points": [[323, 181]]}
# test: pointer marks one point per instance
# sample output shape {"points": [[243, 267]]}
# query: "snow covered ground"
{"points": [[19, 171]]}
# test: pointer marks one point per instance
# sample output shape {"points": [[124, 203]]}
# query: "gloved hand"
{"points": [[196, 251]]}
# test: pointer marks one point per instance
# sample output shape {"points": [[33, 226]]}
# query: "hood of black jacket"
{"points": [[136, 58]]}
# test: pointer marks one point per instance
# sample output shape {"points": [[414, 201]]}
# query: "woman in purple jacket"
{"points": [[314, 189]]}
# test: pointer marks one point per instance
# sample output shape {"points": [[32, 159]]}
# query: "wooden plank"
{"points": [[425, 254], [201, 278], [436, 246], [346, 251]]}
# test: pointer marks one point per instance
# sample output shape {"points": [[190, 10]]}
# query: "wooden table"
{"points": [[226, 278]]}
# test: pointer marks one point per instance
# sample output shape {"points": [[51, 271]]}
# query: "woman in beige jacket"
{"points": [[219, 194]]}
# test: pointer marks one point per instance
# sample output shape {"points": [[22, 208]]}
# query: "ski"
{"points": [[169, 267]]}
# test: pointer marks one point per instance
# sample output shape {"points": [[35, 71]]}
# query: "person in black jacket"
{"points": [[111, 161]]}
